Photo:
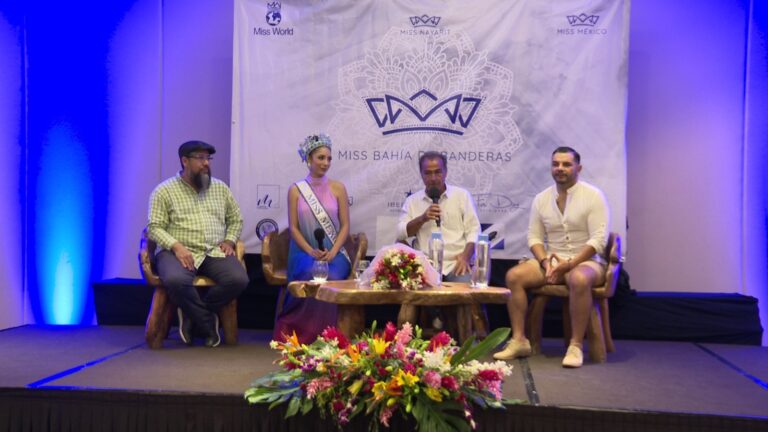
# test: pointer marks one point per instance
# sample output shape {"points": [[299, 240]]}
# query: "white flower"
{"points": [[436, 360]]}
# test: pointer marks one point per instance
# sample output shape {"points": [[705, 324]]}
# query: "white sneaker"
{"points": [[574, 357], [514, 349], [437, 324]]}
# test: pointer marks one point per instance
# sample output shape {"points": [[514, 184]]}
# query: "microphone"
{"points": [[320, 236], [434, 194]]}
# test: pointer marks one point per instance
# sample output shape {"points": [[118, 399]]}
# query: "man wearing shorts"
{"points": [[567, 232]]}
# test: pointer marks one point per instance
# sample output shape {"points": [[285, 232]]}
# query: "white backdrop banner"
{"points": [[495, 85]]}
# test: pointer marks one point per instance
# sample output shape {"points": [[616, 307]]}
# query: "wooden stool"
{"points": [[162, 310]]}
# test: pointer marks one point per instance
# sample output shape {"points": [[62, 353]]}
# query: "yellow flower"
{"points": [[379, 390], [406, 378], [434, 394], [356, 386], [379, 346]]}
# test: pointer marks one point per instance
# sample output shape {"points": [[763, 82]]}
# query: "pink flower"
{"points": [[386, 414], [405, 334], [439, 340], [409, 368], [337, 405], [450, 383], [489, 375], [318, 385], [494, 387], [389, 332], [432, 379], [331, 333]]}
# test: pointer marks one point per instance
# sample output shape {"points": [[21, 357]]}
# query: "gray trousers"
{"points": [[229, 275]]}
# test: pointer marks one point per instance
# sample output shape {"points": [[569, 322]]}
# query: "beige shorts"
{"points": [[599, 268]]}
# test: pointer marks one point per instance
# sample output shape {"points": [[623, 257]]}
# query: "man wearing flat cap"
{"points": [[196, 221]]}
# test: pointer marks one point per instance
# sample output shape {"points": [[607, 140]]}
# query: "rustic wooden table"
{"points": [[352, 299]]}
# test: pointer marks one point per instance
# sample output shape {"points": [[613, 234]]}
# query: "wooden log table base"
{"points": [[351, 301]]}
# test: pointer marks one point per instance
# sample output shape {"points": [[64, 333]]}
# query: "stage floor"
{"points": [[641, 376]]}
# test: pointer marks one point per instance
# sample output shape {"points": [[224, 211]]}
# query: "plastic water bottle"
{"points": [[436, 247], [482, 270]]}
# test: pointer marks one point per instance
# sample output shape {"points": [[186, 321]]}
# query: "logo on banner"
{"points": [[274, 17], [267, 196], [425, 21], [495, 236], [273, 14], [583, 20], [582, 25], [264, 227], [423, 112], [495, 203]]}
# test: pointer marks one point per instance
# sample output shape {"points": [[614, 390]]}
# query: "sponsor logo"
{"points": [[423, 112], [495, 203], [274, 17], [582, 25], [396, 204], [264, 227], [350, 200], [425, 21], [267, 196], [495, 235]]}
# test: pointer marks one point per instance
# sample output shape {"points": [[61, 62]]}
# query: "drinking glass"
{"points": [[362, 266], [320, 271]]}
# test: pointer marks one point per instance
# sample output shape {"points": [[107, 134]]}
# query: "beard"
{"points": [[202, 181]]}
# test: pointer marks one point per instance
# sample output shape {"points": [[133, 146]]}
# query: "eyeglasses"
{"points": [[201, 157]]}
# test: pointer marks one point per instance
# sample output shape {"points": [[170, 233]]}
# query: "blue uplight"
{"points": [[63, 229]]}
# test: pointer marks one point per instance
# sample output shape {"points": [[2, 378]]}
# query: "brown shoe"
{"points": [[573, 357], [514, 349]]}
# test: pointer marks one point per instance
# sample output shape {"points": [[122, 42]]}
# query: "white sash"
{"points": [[320, 214]]}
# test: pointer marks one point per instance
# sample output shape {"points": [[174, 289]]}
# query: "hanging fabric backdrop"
{"points": [[495, 85]]}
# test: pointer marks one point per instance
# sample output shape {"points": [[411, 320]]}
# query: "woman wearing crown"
{"points": [[318, 218]]}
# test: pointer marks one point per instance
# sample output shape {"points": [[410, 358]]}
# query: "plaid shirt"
{"points": [[177, 213]]}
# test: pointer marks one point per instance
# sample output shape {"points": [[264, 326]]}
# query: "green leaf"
{"points": [[487, 345], [293, 407], [457, 358], [306, 406], [443, 417]]}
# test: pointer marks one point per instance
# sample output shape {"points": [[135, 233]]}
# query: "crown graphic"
{"points": [[273, 7], [583, 20], [425, 21], [452, 115]]}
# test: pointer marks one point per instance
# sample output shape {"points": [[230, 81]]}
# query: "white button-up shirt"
{"points": [[458, 222], [585, 221]]}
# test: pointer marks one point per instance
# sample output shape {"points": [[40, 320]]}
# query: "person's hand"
{"points": [[227, 247], [556, 269], [462, 265], [318, 254], [184, 256], [329, 256], [432, 213]]}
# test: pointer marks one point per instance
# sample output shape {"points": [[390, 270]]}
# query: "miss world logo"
{"points": [[273, 13]]}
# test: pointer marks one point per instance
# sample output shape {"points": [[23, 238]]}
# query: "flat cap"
{"points": [[192, 146]]}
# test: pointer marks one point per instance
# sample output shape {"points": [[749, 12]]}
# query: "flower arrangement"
{"points": [[385, 372], [398, 270]]}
